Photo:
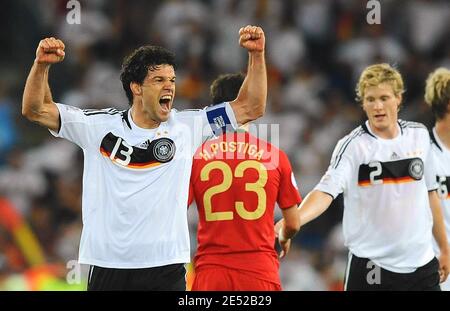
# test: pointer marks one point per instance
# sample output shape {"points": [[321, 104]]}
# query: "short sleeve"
{"points": [[288, 194], [74, 125]]}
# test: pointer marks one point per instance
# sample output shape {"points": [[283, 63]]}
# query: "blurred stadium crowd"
{"points": [[315, 51]]}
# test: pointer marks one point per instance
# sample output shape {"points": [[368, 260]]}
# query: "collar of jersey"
{"points": [[400, 133], [439, 141], [138, 129]]}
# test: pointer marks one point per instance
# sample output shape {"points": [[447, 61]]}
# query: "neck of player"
{"points": [[142, 118], [389, 132]]}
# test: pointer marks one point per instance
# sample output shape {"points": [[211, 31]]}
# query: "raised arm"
{"points": [[250, 103], [37, 102]]}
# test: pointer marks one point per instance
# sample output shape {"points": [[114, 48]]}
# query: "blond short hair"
{"points": [[437, 92], [377, 74]]}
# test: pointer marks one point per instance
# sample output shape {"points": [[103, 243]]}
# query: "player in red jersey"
{"points": [[236, 180]]}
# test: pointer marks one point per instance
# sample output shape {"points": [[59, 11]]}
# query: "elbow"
{"points": [[28, 113], [292, 227], [257, 112]]}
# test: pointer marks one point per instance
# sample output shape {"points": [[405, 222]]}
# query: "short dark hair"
{"points": [[226, 87], [136, 65]]}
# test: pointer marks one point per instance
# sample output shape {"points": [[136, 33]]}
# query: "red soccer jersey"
{"points": [[236, 180]]}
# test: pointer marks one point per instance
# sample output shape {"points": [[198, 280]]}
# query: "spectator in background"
{"points": [[8, 134], [19, 183]]}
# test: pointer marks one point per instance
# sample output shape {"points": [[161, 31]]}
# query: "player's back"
{"points": [[235, 181]]}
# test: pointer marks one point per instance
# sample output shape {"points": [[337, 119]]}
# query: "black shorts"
{"points": [[362, 274], [165, 278]]}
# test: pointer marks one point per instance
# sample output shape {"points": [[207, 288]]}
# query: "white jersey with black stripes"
{"points": [[385, 184], [441, 156], [136, 183]]}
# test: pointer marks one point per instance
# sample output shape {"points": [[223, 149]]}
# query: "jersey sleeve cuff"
{"points": [[330, 192], [57, 133]]}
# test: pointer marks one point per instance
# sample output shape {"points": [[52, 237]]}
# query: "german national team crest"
{"points": [[163, 150], [416, 168]]}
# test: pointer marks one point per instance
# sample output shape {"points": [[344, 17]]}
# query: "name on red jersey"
{"points": [[243, 148]]}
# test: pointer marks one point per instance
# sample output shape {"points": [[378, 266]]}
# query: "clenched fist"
{"points": [[252, 38], [50, 51]]}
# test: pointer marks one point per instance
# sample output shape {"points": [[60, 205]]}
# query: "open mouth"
{"points": [[164, 101], [379, 116]]}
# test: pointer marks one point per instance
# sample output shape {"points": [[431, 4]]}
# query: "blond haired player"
{"points": [[437, 95], [391, 208]]}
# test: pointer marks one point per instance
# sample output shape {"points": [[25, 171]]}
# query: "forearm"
{"points": [[36, 90], [257, 84], [439, 232], [250, 103], [48, 98], [291, 224], [314, 204]]}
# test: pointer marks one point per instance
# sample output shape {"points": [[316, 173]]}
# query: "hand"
{"points": [[50, 51], [252, 38], [285, 247], [284, 244], [444, 267]]}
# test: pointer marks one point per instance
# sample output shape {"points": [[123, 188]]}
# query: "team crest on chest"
{"points": [[163, 149], [416, 168]]}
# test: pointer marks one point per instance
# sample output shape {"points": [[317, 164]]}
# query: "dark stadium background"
{"points": [[315, 50]]}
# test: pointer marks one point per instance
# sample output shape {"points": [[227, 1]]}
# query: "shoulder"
{"points": [[352, 137], [88, 116], [185, 113], [188, 116], [411, 125], [104, 114], [415, 129], [346, 145]]}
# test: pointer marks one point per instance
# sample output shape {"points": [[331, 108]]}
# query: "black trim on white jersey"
{"points": [[125, 118], [411, 124], [365, 129], [434, 140], [59, 122], [92, 112], [357, 132], [401, 128]]}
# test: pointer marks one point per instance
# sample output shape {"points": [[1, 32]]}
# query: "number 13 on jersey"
{"points": [[228, 176]]}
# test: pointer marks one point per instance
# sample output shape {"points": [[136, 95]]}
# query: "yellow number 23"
{"points": [[257, 187]]}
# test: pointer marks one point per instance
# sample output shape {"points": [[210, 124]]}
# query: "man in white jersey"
{"points": [[437, 95], [137, 163], [384, 170]]}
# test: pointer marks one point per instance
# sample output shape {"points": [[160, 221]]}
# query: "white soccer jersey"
{"points": [[136, 181], [442, 165], [387, 216]]}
